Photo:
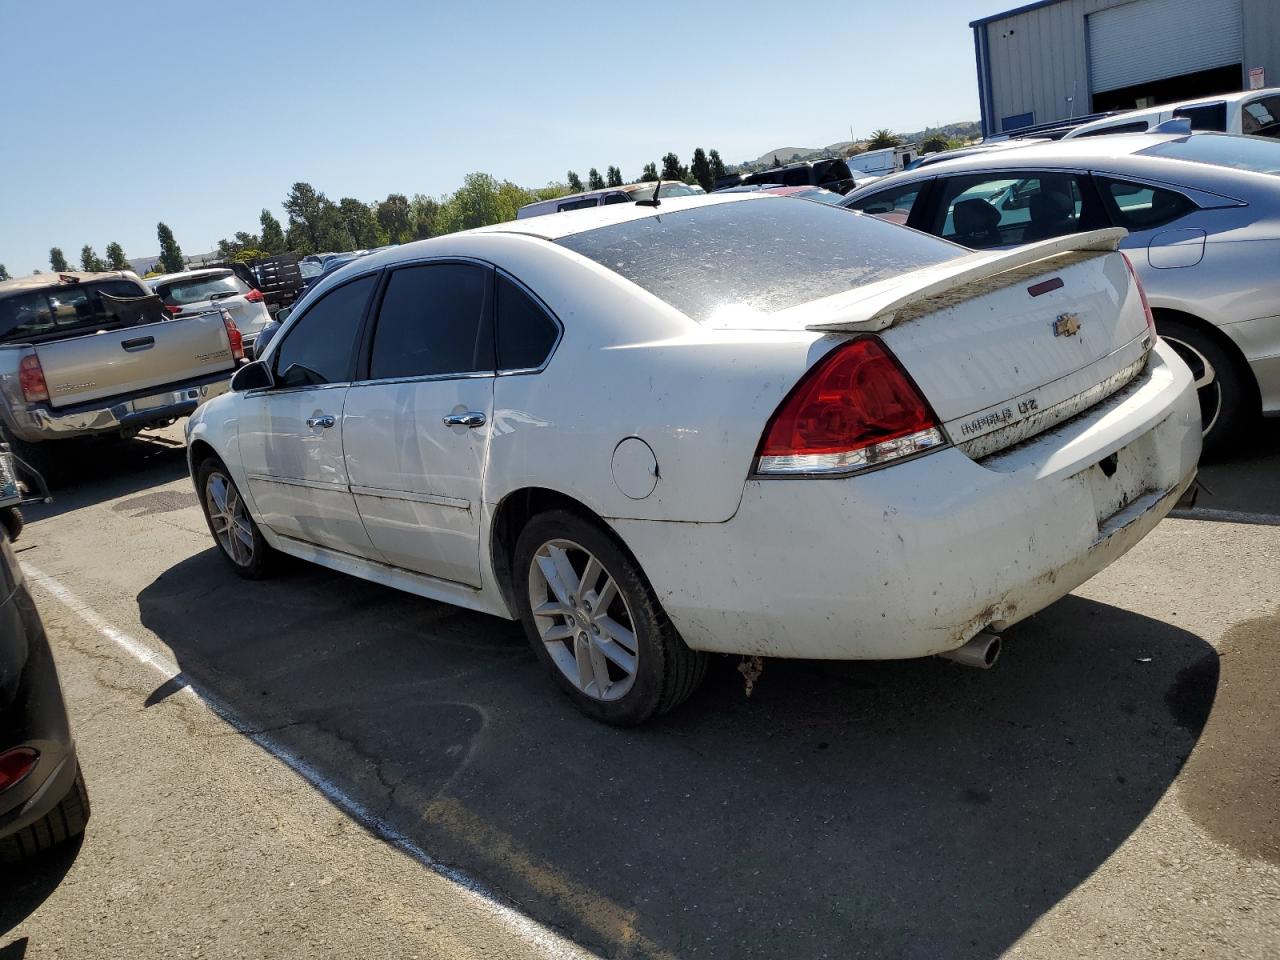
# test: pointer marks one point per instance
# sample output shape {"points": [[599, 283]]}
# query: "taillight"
{"points": [[254, 296], [16, 764], [855, 408], [31, 379], [173, 308], [1142, 295], [233, 337]]}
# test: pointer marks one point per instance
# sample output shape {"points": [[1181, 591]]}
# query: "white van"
{"points": [[628, 193], [1250, 111]]}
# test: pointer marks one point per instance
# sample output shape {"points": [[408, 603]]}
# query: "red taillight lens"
{"points": [[254, 296], [855, 408], [16, 764], [1142, 295], [173, 308], [31, 379], [233, 337]]}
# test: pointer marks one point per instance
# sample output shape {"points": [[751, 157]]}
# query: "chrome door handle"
{"points": [[325, 420], [472, 418]]}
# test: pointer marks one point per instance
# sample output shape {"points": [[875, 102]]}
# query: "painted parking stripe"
{"points": [[542, 941]]}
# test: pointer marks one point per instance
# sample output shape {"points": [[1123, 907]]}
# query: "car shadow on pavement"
{"points": [[24, 886], [909, 809], [1240, 484]]}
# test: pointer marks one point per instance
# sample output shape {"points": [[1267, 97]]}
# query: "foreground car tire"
{"points": [[595, 623], [66, 820], [1222, 386], [239, 540]]}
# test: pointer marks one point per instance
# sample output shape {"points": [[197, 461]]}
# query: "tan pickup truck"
{"points": [[96, 353]]}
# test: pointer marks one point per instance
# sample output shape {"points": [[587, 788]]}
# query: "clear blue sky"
{"points": [[117, 116]]}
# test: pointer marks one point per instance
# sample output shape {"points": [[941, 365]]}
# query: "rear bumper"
{"points": [[133, 412], [918, 557]]}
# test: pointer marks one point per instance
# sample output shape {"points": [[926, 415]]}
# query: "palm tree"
{"points": [[883, 138]]}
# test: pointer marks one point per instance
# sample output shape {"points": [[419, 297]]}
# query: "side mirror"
{"points": [[283, 314], [252, 376]]}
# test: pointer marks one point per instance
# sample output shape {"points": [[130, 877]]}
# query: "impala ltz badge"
{"points": [[1067, 325]]}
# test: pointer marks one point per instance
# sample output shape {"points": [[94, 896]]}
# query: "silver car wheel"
{"points": [[1208, 389], [229, 518], [583, 619]]}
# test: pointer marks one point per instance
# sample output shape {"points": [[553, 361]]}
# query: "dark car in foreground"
{"points": [[42, 794]]}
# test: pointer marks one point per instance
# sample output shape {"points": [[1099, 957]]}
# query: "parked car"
{"points": [[1249, 112], [734, 424], [96, 353], [199, 291], [628, 193], [830, 174], [1203, 215], [43, 800]]}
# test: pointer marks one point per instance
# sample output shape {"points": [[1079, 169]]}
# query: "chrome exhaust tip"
{"points": [[981, 652]]}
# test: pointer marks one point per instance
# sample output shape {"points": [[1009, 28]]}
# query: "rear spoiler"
{"points": [[916, 300]]}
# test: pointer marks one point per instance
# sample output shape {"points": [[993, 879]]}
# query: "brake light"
{"points": [[1142, 295], [855, 408], [173, 308], [16, 764], [233, 337], [254, 296], [31, 379]]}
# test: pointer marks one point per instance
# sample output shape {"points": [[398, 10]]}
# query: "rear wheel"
{"points": [[238, 537], [596, 624], [1222, 384], [66, 820]]}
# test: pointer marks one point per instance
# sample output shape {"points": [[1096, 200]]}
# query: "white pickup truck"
{"points": [[96, 353]]}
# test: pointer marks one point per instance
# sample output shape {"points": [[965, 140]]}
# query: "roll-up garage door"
{"points": [[1153, 39]]}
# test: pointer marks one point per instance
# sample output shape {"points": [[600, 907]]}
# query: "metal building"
{"points": [[1058, 59]]}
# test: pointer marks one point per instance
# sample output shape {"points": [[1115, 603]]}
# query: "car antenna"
{"points": [[652, 201]]}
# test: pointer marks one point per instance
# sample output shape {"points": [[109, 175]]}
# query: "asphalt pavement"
{"points": [[317, 766]]}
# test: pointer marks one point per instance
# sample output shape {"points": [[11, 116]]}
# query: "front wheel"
{"points": [[1222, 387], [595, 623], [238, 537]]}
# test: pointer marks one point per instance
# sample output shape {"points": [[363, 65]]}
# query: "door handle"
{"points": [[138, 343], [472, 418], [324, 420]]}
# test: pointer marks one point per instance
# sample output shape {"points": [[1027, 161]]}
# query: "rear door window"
{"points": [[1008, 209], [434, 321], [319, 346], [893, 205], [526, 332], [1138, 206]]}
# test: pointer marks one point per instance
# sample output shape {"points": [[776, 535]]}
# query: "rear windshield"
{"points": [[178, 293], [755, 257], [55, 311], [1242, 153]]}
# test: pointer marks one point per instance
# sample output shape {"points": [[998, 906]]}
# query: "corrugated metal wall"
{"points": [[1039, 58]]}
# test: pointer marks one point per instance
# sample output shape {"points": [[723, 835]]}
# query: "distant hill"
{"points": [[965, 130]]}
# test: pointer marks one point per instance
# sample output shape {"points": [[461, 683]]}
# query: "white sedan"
{"points": [[741, 424]]}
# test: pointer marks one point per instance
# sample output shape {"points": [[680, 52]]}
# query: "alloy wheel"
{"points": [[229, 518], [1208, 387], [583, 619]]}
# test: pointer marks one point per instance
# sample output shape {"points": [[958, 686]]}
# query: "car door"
{"points": [[1008, 208], [290, 434], [416, 427]]}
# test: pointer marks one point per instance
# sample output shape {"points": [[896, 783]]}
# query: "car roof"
{"points": [[189, 274], [1142, 113], [590, 218], [39, 281]]}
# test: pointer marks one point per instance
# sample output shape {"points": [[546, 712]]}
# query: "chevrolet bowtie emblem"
{"points": [[1067, 325]]}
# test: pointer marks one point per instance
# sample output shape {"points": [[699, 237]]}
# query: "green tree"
{"points": [[883, 138], [360, 223], [395, 219], [933, 143], [272, 234], [57, 262], [115, 257], [613, 177], [90, 262], [594, 180], [314, 224], [424, 212], [700, 170], [649, 173], [575, 183], [245, 246], [717, 166], [550, 192], [4, 274], [480, 201], [171, 260], [671, 169], [776, 162]]}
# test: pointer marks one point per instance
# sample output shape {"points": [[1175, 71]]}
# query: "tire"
{"points": [[252, 558], [1223, 384], [43, 458], [66, 820], [13, 522], [628, 626]]}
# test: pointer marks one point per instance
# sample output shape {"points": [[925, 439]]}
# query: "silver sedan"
{"points": [[1203, 214]]}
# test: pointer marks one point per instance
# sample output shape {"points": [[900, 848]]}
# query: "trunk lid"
{"points": [[1006, 345], [109, 363]]}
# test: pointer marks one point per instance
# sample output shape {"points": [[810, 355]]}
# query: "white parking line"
{"points": [[545, 941]]}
